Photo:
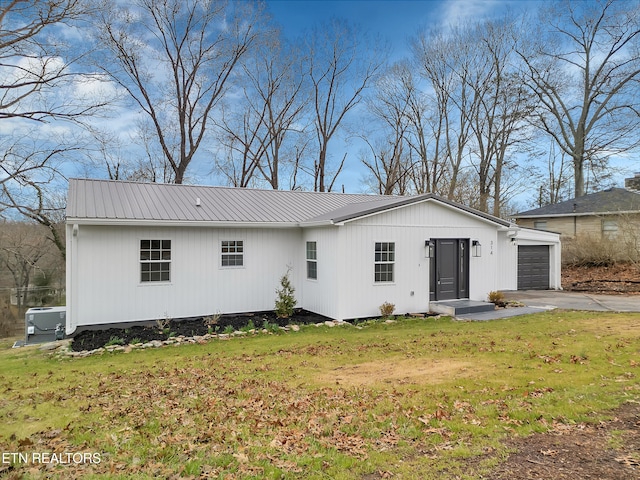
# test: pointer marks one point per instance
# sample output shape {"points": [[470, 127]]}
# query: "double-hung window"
{"points": [[312, 260], [155, 260], [232, 253], [385, 257], [609, 228]]}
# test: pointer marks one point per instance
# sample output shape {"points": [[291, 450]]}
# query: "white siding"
{"points": [[105, 271], [320, 296], [409, 227], [507, 278]]}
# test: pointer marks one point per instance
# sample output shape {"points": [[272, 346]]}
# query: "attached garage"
{"points": [[533, 267]]}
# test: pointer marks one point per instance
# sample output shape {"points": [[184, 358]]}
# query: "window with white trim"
{"points": [[155, 260], [312, 260], [385, 257], [232, 253]]}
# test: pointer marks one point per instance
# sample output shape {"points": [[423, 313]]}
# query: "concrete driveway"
{"points": [[575, 300]]}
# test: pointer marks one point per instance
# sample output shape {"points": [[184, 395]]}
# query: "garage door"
{"points": [[533, 267]]}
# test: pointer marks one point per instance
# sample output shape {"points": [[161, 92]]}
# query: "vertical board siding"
{"points": [[409, 227], [107, 261], [321, 295]]}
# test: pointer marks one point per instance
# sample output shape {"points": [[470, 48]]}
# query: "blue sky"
{"points": [[394, 20]]}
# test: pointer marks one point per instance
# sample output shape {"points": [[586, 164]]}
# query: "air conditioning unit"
{"points": [[45, 324]]}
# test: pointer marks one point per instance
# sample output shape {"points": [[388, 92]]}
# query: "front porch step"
{"points": [[460, 307]]}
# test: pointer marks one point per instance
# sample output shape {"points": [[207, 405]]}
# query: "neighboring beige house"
{"points": [[602, 214], [611, 217]]}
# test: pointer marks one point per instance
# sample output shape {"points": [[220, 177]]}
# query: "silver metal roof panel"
{"points": [[108, 200]]}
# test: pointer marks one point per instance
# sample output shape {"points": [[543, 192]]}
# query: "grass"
{"points": [[413, 399]]}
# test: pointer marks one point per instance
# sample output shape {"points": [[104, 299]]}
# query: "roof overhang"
{"points": [[176, 223], [574, 214], [341, 220]]}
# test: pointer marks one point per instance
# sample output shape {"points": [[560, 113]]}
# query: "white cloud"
{"points": [[454, 12]]}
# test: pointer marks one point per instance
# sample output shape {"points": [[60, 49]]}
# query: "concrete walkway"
{"points": [[541, 300], [575, 300]]}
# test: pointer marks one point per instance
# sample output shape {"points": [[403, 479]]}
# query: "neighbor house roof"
{"points": [[108, 201], [613, 200]]}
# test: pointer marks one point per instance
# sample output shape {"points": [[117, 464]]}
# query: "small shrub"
{"points": [[387, 309], [497, 298], [271, 327], [163, 324], [114, 340], [285, 300], [211, 320], [135, 340], [228, 329], [249, 326]]}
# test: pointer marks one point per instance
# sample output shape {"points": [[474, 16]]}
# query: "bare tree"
{"points": [[21, 252], [502, 106], [341, 66], [441, 130], [584, 67], [35, 64], [260, 131], [175, 59], [47, 210], [387, 159], [39, 76]]}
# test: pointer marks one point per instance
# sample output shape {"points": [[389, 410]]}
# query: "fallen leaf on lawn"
{"points": [[549, 453], [628, 460], [241, 457]]}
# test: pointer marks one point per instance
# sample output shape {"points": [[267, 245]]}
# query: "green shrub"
{"points": [[115, 340], [285, 300]]}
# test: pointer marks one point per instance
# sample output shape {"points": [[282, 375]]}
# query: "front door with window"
{"points": [[449, 269]]}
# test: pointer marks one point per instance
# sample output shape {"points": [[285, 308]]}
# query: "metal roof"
{"points": [[112, 201], [613, 200]]}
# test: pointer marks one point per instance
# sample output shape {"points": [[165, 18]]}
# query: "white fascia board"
{"points": [[320, 223], [445, 205], [178, 223]]}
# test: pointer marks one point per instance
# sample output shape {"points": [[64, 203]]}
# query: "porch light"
{"points": [[429, 248], [476, 248]]}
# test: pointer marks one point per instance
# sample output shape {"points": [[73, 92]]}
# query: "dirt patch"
{"points": [[621, 278], [409, 371], [605, 451]]}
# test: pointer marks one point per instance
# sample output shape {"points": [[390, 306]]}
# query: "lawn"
{"points": [[419, 398]]}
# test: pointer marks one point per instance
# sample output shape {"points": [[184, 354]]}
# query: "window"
{"points": [[540, 224], [609, 228], [312, 260], [232, 253], [155, 260], [385, 256]]}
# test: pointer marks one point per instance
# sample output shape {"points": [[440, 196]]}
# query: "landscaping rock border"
{"points": [[63, 348]]}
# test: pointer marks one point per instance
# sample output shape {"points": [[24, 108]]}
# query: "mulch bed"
{"points": [[92, 339]]}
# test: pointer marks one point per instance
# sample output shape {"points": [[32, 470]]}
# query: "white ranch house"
{"points": [[140, 251]]}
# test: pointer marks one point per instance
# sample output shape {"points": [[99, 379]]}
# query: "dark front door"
{"points": [[450, 269]]}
